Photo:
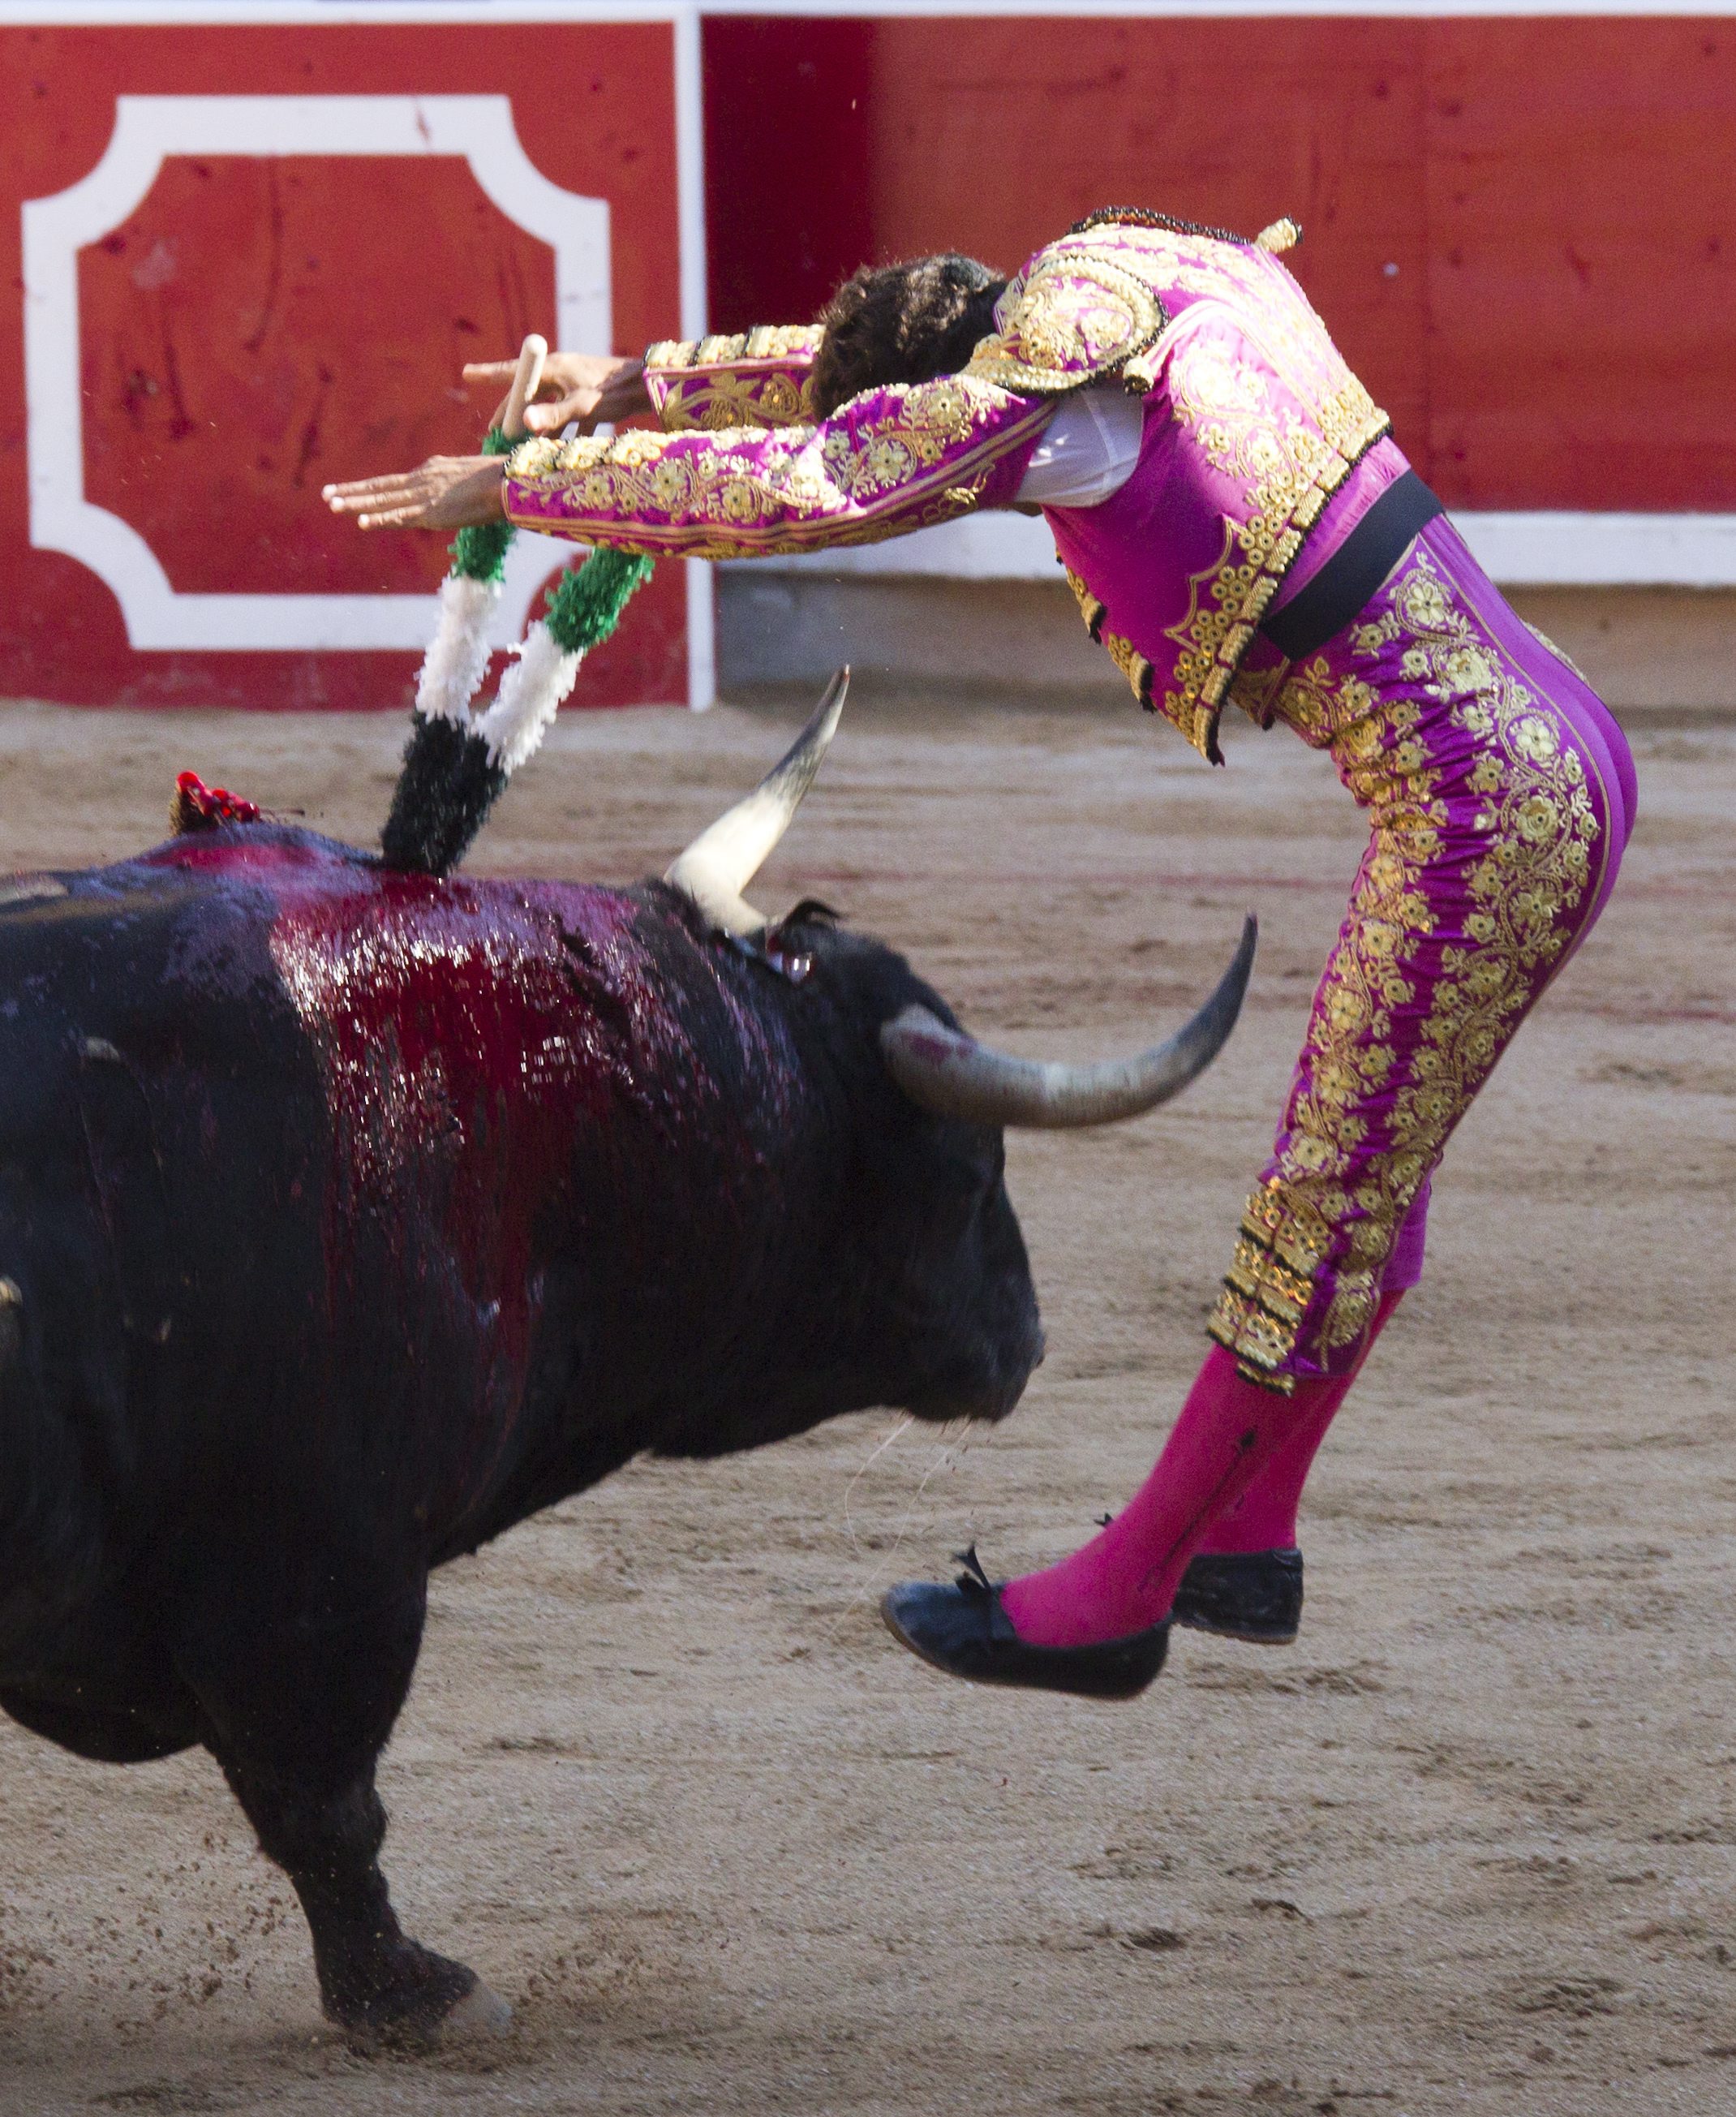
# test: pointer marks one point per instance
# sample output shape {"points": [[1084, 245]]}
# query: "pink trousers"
{"points": [[1501, 795]]}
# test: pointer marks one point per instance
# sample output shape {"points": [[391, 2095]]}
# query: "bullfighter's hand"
{"points": [[446, 492], [592, 388]]}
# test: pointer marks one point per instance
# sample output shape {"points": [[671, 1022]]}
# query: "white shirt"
{"points": [[1089, 449]]}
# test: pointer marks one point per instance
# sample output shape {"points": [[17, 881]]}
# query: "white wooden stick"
{"points": [[532, 354]]}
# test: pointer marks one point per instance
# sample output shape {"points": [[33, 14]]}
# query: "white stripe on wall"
{"points": [[1535, 549]]}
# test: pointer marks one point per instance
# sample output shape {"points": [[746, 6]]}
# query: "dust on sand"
{"points": [[664, 1780]]}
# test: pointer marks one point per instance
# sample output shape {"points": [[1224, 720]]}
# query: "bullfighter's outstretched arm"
{"points": [[889, 461]]}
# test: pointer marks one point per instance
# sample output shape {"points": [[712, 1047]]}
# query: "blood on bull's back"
{"points": [[452, 1192]]}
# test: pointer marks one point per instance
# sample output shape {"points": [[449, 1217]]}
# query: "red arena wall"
{"points": [[1517, 229]]}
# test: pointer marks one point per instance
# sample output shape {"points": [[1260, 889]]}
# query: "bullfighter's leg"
{"points": [[1259, 1533], [1244, 1580], [1263, 1519], [298, 1713], [1501, 795], [1490, 771]]}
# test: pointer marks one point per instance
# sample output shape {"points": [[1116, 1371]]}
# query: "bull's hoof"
{"points": [[965, 1630], [479, 2014], [413, 1999]]}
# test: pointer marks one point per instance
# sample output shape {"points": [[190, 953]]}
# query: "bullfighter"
{"points": [[1239, 528]]}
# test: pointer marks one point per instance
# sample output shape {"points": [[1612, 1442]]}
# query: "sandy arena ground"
{"points": [[1470, 1846]]}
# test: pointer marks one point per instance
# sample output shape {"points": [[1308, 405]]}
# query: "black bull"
{"points": [[349, 1217]]}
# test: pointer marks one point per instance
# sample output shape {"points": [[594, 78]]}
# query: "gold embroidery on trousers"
{"points": [[1335, 1204]]}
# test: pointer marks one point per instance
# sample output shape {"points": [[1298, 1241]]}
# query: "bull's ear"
{"points": [[723, 859], [810, 912]]}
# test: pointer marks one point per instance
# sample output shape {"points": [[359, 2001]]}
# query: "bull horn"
{"points": [[955, 1077], [723, 859]]}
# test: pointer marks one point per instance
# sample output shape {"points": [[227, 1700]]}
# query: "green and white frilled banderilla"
{"points": [[458, 760]]}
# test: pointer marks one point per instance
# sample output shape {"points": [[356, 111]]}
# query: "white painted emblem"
{"points": [[149, 128]]}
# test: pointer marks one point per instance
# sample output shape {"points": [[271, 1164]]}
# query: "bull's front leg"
{"points": [[300, 1683], [374, 1980]]}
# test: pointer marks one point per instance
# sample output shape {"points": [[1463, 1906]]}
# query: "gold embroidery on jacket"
{"points": [[1097, 301], [1092, 608], [764, 342], [1289, 466], [1538, 826], [756, 378], [1136, 667], [1078, 316], [923, 457], [1138, 670]]}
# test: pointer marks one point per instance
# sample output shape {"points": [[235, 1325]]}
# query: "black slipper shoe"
{"points": [[1251, 1595], [964, 1631]]}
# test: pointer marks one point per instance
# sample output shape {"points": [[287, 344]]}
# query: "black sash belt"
{"points": [[1355, 570]]}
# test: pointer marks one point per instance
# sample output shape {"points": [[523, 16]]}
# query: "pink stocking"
{"points": [[1230, 1434], [1125, 1579], [1263, 1519]]}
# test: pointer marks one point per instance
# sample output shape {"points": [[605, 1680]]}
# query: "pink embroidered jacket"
{"points": [[1252, 423]]}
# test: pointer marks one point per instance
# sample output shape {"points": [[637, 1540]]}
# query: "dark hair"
{"points": [[902, 323]]}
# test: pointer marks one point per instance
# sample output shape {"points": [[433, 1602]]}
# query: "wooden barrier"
{"points": [[1516, 227]]}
